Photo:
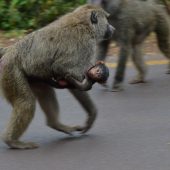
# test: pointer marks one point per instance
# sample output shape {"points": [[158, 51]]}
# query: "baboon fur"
{"points": [[67, 45], [134, 20]]}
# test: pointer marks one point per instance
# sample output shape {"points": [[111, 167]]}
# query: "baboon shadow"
{"points": [[69, 141]]}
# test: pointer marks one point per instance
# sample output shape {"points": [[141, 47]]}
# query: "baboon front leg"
{"points": [[86, 102], [19, 94], [125, 51], [137, 59], [49, 104]]}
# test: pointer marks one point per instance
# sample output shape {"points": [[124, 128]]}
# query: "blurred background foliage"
{"points": [[32, 14]]}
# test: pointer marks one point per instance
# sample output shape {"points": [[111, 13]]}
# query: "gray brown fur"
{"points": [[67, 45], [134, 20]]}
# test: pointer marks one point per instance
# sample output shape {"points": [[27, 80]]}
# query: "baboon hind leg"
{"points": [[17, 91], [48, 102], [138, 60]]}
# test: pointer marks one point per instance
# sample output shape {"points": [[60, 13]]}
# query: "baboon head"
{"points": [[97, 21]]}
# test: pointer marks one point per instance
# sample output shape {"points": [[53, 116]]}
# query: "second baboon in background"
{"points": [[134, 20]]}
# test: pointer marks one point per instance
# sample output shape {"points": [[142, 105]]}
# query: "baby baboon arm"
{"points": [[85, 85]]}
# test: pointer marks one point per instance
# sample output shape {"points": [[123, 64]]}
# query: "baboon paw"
{"points": [[137, 81], [86, 128], [69, 130], [78, 128], [89, 122], [22, 145], [116, 88], [66, 131]]}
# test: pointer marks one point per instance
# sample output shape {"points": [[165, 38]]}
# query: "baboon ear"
{"points": [[94, 19]]}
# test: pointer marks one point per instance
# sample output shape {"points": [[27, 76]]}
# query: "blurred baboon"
{"points": [[67, 45], [134, 20]]}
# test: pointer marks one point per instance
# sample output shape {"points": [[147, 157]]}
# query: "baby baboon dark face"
{"points": [[99, 73]]}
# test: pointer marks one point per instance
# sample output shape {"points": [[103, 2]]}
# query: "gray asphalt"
{"points": [[132, 131]]}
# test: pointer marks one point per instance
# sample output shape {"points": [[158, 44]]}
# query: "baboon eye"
{"points": [[94, 19]]}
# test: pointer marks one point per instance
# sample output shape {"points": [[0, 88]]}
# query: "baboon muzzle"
{"points": [[109, 32]]}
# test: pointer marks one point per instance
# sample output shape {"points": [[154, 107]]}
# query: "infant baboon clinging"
{"points": [[134, 20], [66, 46], [97, 73]]}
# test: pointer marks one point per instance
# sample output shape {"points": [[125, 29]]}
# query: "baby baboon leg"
{"points": [[18, 93], [86, 102], [137, 59], [49, 104]]}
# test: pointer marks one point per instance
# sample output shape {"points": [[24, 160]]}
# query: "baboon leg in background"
{"points": [[49, 104], [102, 50], [138, 60], [168, 69], [84, 99], [125, 51], [163, 37]]}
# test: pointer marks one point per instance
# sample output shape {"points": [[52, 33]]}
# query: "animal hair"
{"points": [[134, 20], [68, 45]]}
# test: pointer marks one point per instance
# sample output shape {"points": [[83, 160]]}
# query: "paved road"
{"points": [[132, 131]]}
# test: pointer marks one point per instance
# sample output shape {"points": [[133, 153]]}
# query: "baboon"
{"points": [[66, 46], [134, 20]]}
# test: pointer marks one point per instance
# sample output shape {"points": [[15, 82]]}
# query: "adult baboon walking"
{"points": [[66, 46], [134, 20]]}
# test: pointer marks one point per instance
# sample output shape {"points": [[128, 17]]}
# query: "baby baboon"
{"points": [[66, 46], [97, 73], [134, 20]]}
